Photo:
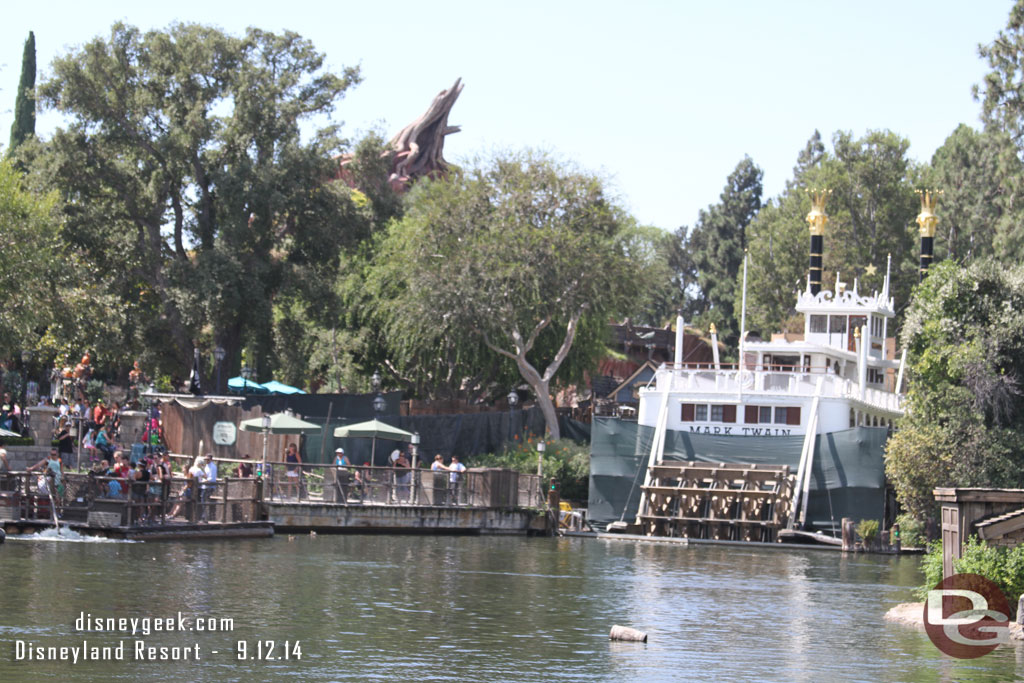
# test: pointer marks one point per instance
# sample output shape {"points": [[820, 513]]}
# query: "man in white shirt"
{"points": [[456, 469], [208, 485]]}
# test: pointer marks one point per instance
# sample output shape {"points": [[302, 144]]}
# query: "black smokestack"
{"points": [[927, 220], [816, 220]]}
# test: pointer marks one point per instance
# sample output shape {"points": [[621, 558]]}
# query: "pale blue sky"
{"points": [[662, 97]]}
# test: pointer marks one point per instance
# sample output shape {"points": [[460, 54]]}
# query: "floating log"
{"points": [[627, 633]]}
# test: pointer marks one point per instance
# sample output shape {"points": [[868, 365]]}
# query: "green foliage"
{"points": [[37, 283], [715, 248], [565, 460], [192, 187], [912, 532], [510, 267], [971, 169], [964, 335], [18, 441], [867, 529], [931, 565], [24, 125], [1003, 566]]}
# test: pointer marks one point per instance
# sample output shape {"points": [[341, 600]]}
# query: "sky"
{"points": [[661, 98]]}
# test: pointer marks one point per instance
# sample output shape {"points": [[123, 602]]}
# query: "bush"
{"points": [[911, 531], [18, 441], [565, 460], [1002, 566], [867, 529]]}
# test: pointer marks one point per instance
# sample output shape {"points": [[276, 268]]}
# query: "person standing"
{"points": [[403, 476], [207, 486], [294, 461], [456, 470]]}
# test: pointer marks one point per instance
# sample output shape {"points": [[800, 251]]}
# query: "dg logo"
{"points": [[967, 616]]}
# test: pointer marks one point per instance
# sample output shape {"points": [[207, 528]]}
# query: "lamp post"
{"points": [[218, 355], [265, 423], [415, 474], [513, 401], [247, 374], [540, 457], [375, 382]]}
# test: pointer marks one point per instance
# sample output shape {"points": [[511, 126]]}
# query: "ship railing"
{"points": [[775, 379]]}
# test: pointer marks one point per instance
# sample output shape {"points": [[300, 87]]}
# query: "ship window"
{"points": [[787, 416], [750, 414], [700, 413], [729, 413], [716, 413], [764, 414], [687, 412], [819, 323], [837, 324], [876, 326]]}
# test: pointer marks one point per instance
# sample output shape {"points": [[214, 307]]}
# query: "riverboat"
{"points": [[814, 407]]}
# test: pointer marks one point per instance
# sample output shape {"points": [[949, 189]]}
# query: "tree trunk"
{"points": [[540, 388]]}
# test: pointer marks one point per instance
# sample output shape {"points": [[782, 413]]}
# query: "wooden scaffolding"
{"points": [[730, 502]]}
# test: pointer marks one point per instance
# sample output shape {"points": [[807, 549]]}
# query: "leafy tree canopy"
{"points": [[520, 258], [964, 335], [187, 178]]}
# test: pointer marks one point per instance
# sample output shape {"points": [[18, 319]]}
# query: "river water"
{"points": [[443, 608]]}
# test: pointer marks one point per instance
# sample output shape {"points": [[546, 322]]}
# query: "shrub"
{"points": [[911, 531], [867, 529], [565, 460], [1002, 566], [18, 441]]}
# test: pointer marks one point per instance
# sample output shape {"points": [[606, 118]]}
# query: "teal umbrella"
{"points": [[243, 385], [373, 429], [275, 387]]}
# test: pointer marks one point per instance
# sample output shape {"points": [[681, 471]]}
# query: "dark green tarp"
{"points": [[847, 480]]}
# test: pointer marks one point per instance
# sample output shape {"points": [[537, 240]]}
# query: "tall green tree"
{"points": [[521, 260], [24, 125], [1002, 100], [187, 176], [976, 172], [964, 335], [716, 246]]}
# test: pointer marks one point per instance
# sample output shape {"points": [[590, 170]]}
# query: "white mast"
{"points": [[743, 331]]}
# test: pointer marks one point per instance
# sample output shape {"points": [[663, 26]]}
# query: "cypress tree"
{"points": [[24, 125]]}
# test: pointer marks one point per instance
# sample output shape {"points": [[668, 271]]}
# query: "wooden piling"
{"points": [[849, 537]]}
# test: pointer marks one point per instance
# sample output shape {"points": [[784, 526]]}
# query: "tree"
{"points": [[971, 168], [24, 125], [520, 259], [187, 176], [717, 243], [1002, 100], [964, 335]]}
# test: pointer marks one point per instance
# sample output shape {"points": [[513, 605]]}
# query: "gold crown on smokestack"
{"points": [[927, 219], [816, 218]]}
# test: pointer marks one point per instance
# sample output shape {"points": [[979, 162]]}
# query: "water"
{"points": [[436, 608]]}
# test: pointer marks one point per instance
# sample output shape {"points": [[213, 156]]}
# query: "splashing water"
{"points": [[66, 535]]}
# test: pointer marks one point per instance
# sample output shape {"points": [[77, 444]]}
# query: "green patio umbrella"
{"points": [[373, 429], [278, 423]]}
